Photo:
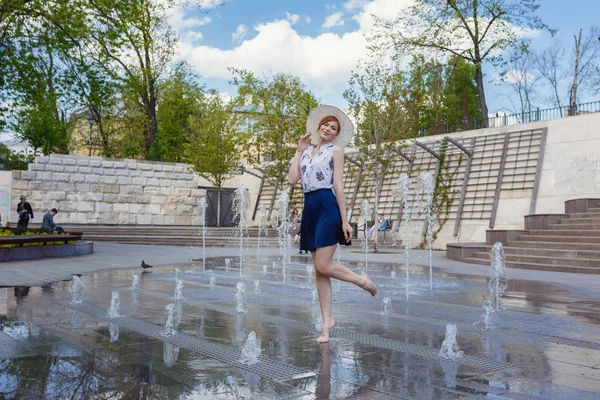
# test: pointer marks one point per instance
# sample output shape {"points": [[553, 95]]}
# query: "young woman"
{"points": [[320, 169]]}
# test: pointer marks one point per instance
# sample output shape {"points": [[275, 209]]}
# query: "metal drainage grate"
{"points": [[439, 322], [265, 367], [488, 365]]}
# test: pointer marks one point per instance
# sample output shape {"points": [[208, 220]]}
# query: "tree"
{"points": [[586, 62], [135, 45], [549, 64], [376, 99], [213, 147], [181, 97], [519, 75], [477, 31], [280, 107]]}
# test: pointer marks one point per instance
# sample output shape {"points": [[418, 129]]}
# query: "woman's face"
{"points": [[329, 130]]}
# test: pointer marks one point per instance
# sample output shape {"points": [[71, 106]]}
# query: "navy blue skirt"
{"points": [[321, 224]]}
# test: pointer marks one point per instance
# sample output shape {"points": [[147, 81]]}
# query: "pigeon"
{"points": [[145, 266]]}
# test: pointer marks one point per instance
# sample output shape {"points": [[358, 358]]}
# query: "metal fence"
{"points": [[499, 119]]}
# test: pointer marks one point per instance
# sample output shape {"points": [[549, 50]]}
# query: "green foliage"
{"points": [[476, 31], [181, 98], [441, 97], [376, 99], [213, 146], [279, 106], [11, 161]]}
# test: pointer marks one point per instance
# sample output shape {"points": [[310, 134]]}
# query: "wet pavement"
{"points": [[545, 343]]}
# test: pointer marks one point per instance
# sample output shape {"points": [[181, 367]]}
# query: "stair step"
{"points": [[546, 252], [555, 245], [563, 239], [549, 260], [579, 220], [564, 232], [583, 225], [537, 266], [585, 215]]}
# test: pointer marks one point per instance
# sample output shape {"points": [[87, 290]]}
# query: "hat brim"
{"points": [[318, 113]]}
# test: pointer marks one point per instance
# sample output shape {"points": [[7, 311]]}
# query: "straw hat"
{"points": [[318, 113]]}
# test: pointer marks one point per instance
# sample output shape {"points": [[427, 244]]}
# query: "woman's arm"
{"points": [[294, 173], [338, 189]]}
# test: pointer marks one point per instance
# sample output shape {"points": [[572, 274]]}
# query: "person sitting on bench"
{"points": [[48, 224]]}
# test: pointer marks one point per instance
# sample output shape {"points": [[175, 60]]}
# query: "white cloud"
{"points": [[239, 34], [292, 18], [513, 76], [379, 8], [352, 5], [180, 22], [208, 4], [324, 61], [332, 20], [193, 36], [307, 19]]}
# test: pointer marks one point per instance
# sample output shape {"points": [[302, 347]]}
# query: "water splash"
{"points": [[135, 282], [309, 275], [426, 189], [393, 274], [170, 320], [114, 332], [283, 228], [202, 213], [365, 213], [227, 264], [264, 268], [387, 306], [257, 286], [170, 354], [401, 189], [115, 304], [338, 253], [498, 279], [76, 290], [261, 221], [212, 282], [240, 297], [241, 204], [178, 285], [251, 350], [485, 321], [450, 349]]}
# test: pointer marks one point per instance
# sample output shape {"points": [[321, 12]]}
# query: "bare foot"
{"points": [[324, 338], [369, 286]]}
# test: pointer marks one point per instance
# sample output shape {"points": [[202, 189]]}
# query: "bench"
{"points": [[44, 239]]}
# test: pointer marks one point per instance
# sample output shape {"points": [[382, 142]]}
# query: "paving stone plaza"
{"points": [[545, 343]]}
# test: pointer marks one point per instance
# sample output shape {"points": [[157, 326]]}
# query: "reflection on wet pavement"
{"points": [[546, 344]]}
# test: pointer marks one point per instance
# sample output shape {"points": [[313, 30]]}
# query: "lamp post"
{"points": [[91, 121]]}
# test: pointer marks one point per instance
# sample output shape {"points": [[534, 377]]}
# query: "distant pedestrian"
{"points": [[25, 212], [48, 224]]}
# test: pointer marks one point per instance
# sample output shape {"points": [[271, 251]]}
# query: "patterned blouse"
{"points": [[317, 172]]}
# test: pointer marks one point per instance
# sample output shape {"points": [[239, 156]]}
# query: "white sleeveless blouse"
{"points": [[317, 172]]}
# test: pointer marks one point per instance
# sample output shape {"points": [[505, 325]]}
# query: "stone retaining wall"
{"points": [[109, 191]]}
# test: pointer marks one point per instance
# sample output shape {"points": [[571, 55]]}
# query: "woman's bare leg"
{"points": [[325, 293], [324, 265]]}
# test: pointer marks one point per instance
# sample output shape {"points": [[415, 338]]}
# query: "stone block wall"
{"points": [[93, 190]]}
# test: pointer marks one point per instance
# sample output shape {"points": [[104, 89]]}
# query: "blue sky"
{"points": [[292, 37]]}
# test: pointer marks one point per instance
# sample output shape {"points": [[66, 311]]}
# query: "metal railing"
{"points": [[524, 117]]}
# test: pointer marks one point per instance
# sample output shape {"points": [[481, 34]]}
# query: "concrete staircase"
{"points": [[169, 235], [567, 242]]}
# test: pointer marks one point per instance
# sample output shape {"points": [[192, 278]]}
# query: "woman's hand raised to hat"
{"points": [[304, 143]]}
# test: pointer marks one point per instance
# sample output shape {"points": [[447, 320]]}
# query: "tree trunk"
{"points": [[573, 94], [481, 92]]}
